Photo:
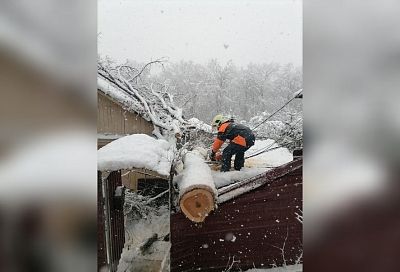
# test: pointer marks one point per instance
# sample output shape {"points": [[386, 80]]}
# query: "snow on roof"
{"points": [[276, 157], [222, 179], [153, 104], [136, 151], [255, 165], [117, 94]]}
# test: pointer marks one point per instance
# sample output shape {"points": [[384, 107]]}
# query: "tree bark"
{"points": [[197, 190]]}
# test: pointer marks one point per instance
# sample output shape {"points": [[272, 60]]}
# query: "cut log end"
{"points": [[197, 204]]}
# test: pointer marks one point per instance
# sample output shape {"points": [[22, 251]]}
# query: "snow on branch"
{"points": [[118, 82], [177, 113], [159, 61]]}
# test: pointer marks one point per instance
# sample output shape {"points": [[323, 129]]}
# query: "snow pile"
{"points": [[196, 174], [276, 157], [200, 125], [288, 268], [136, 151]]}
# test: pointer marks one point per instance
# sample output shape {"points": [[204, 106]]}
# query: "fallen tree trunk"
{"points": [[197, 192]]}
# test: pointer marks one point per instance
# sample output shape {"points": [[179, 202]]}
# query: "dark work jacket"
{"points": [[236, 133]]}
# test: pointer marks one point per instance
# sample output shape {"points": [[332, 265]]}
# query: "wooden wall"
{"points": [[116, 217], [113, 119], [33, 103], [130, 178]]}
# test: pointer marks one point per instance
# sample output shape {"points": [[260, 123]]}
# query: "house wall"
{"points": [[101, 239], [130, 178], [248, 228], [113, 119], [32, 103], [114, 122], [116, 227]]}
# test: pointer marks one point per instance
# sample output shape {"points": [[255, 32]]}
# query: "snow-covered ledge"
{"points": [[135, 152]]}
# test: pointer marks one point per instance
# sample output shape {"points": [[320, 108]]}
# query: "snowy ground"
{"points": [[138, 232], [289, 268]]}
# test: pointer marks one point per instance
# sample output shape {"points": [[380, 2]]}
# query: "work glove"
{"points": [[212, 155]]}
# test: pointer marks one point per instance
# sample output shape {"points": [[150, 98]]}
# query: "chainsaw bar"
{"points": [[213, 162]]}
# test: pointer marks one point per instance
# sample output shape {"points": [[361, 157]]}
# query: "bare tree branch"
{"points": [[160, 61], [157, 196]]}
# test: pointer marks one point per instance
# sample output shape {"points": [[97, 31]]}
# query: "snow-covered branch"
{"points": [[156, 197], [176, 113], [160, 61], [142, 98]]}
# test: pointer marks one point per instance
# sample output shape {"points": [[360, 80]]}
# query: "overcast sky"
{"points": [[243, 31]]}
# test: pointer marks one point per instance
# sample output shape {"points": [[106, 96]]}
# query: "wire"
{"points": [[267, 148], [261, 149], [284, 105]]}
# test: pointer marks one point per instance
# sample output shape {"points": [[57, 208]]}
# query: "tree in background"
{"points": [[249, 94], [203, 90]]}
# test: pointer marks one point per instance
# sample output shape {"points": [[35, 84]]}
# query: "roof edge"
{"points": [[228, 192]]}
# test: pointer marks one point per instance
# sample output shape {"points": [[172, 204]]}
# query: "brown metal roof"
{"points": [[233, 190], [247, 228]]}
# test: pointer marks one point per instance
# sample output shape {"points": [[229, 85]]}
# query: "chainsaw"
{"points": [[217, 161], [213, 162]]}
